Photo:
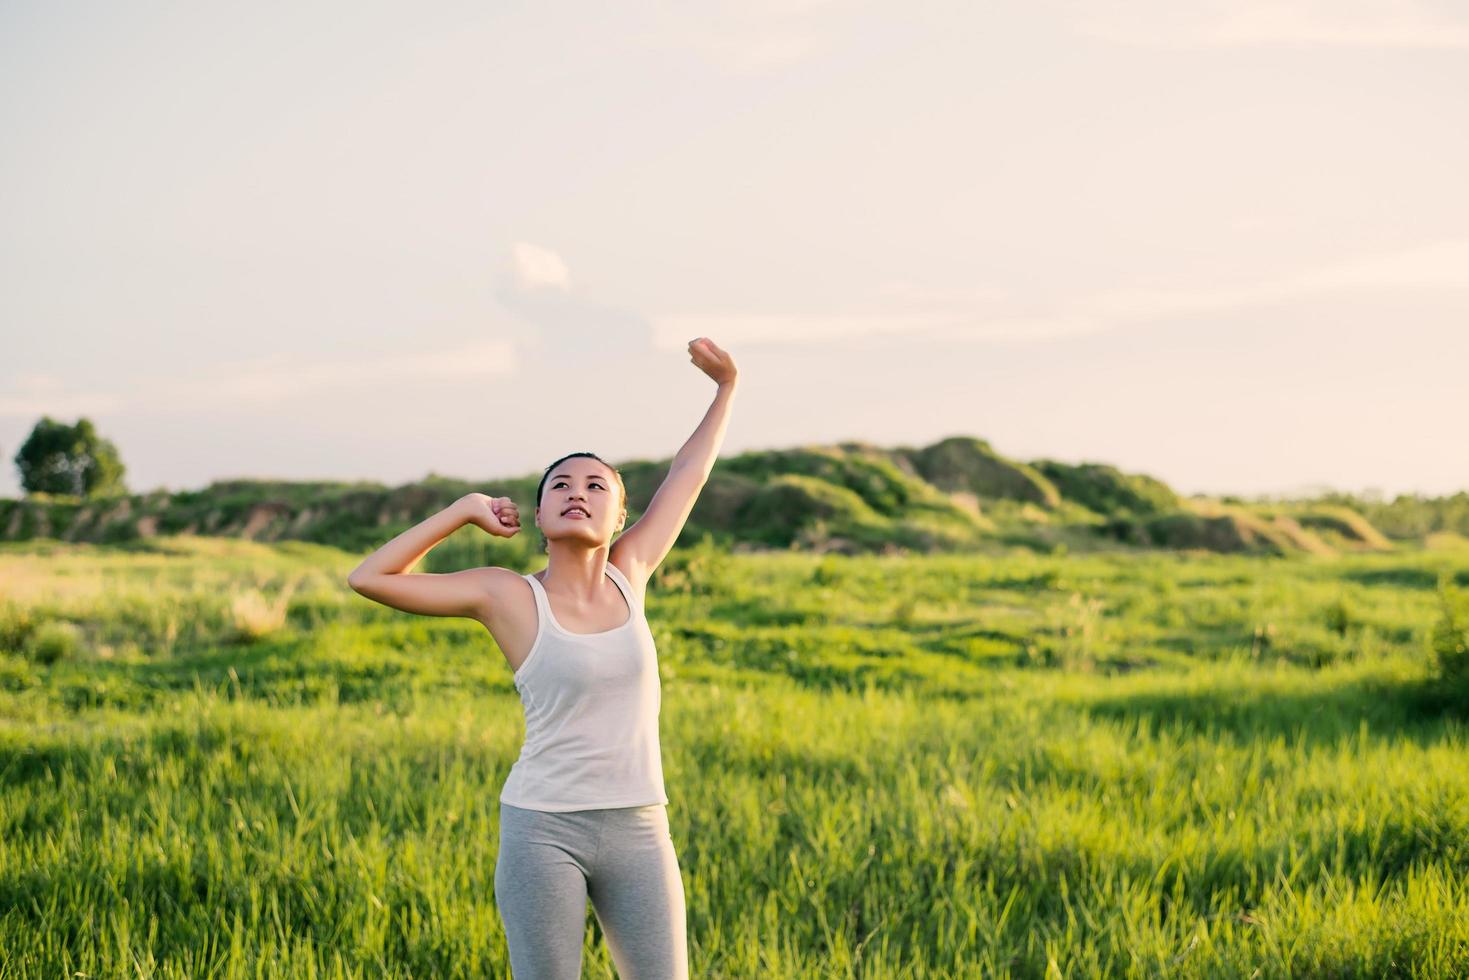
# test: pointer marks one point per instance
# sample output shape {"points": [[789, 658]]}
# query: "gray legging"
{"points": [[623, 858]]}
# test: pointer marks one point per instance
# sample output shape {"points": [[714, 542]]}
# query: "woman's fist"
{"points": [[713, 360], [496, 515]]}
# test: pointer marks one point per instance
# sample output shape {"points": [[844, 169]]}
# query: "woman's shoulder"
{"points": [[631, 577], [502, 583]]}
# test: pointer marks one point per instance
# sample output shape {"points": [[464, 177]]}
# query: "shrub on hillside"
{"points": [[1229, 532], [789, 504], [1298, 538], [1346, 524], [966, 463], [1106, 489], [880, 483], [720, 502]]}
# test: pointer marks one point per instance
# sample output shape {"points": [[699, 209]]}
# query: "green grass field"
{"points": [[216, 760]]}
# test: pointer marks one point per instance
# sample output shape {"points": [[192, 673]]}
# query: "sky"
{"points": [[1222, 243]]}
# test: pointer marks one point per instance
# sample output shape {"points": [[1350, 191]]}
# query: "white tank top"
{"points": [[591, 714]]}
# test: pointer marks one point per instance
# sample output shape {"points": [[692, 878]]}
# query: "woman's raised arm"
{"points": [[641, 548]]}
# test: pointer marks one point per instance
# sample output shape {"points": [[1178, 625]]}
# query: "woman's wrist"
{"points": [[461, 509]]}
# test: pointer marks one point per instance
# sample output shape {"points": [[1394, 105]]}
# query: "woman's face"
{"points": [[575, 485]]}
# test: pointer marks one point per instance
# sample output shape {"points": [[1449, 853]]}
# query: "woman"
{"points": [[583, 812]]}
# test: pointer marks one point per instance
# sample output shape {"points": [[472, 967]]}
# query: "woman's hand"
{"points": [[713, 360], [495, 515]]}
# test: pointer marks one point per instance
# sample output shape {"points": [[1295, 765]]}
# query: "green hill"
{"points": [[1106, 489], [968, 464], [956, 495]]}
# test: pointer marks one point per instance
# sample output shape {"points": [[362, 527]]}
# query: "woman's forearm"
{"points": [[405, 550], [702, 448]]}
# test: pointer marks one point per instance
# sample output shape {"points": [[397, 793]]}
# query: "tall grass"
{"points": [[1123, 765]]}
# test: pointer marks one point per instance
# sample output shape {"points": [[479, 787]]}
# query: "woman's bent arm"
{"points": [[383, 575]]}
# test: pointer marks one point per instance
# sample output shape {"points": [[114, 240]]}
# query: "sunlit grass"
{"points": [[1131, 765]]}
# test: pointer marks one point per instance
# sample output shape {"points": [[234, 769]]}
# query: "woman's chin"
{"points": [[588, 538]]}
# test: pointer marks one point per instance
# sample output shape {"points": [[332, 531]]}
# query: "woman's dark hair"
{"points": [[541, 489]]}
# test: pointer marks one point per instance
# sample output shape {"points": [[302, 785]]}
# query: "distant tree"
{"points": [[69, 459]]}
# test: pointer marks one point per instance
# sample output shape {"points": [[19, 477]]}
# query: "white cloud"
{"points": [[1444, 263], [1022, 329], [267, 381], [674, 332], [1214, 23], [535, 267], [35, 395], [1437, 265], [577, 326], [1441, 264]]}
